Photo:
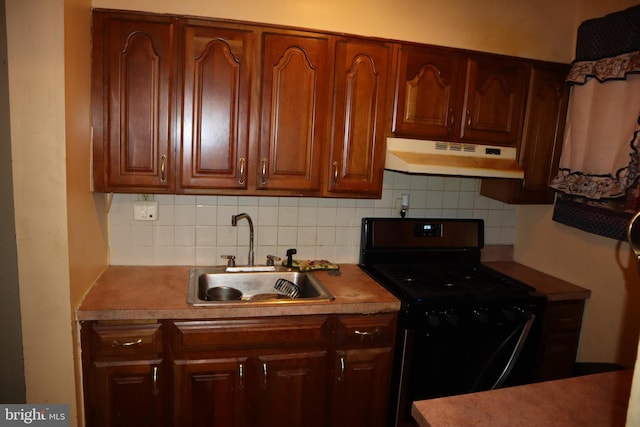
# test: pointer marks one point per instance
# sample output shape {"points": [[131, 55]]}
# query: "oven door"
{"points": [[456, 358]]}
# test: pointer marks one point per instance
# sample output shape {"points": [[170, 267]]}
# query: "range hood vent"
{"points": [[451, 158]]}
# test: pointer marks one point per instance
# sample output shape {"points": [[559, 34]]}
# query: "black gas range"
{"points": [[463, 327]]}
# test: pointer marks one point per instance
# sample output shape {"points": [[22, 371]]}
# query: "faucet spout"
{"points": [[234, 222]]}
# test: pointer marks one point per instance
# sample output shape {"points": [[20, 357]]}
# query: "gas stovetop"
{"points": [[434, 260], [429, 282]]}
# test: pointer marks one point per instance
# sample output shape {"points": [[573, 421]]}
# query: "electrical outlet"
{"points": [[145, 210]]}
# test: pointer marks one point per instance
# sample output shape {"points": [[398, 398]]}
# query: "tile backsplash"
{"points": [[196, 230]]}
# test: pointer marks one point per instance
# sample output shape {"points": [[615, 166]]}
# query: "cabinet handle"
{"points": [[342, 368], [452, 120], [241, 375], [154, 375], [335, 173], [241, 178], [163, 168], [263, 171], [366, 333], [264, 375], [468, 119], [116, 343]]}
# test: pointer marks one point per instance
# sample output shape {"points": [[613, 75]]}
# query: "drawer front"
{"points": [[108, 341], [564, 316], [288, 331], [366, 330]]}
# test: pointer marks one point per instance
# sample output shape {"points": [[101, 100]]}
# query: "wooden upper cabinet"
{"points": [[360, 89], [542, 139], [133, 102], [493, 108], [294, 105], [217, 78], [428, 92], [446, 94]]}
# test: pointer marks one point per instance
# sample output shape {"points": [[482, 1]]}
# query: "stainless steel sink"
{"points": [[257, 287]]}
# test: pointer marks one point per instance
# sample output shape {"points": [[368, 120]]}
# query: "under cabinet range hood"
{"points": [[451, 158]]}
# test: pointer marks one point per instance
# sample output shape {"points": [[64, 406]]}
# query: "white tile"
{"points": [[206, 215], [267, 215], [288, 215], [184, 235], [184, 214], [307, 216], [306, 236], [327, 217], [287, 236], [206, 236], [163, 236], [325, 236], [267, 236]]}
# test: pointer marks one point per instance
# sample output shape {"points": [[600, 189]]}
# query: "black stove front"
{"points": [[463, 327]]}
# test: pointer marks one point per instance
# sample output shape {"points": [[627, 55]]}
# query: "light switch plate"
{"points": [[145, 210]]}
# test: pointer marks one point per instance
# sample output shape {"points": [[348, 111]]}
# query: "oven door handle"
{"points": [[522, 339]]}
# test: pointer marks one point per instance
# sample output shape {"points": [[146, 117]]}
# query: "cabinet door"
{"points": [[361, 387], [133, 101], [295, 79], [128, 393], [292, 390], [358, 130], [494, 100], [544, 131], [210, 392], [539, 152], [217, 90], [429, 89]]}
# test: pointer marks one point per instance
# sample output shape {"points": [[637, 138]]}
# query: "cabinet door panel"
{"points": [[494, 101], [210, 393], [357, 142], [217, 85], [361, 387], [428, 93], [294, 103], [137, 96], [292, 390], [544, 130], [128, 393]]}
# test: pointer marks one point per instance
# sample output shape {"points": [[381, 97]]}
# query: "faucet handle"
{"points": [[231, 260], [271, 259]]}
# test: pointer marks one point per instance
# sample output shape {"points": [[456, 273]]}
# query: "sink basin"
{"points": [[257, 287]]}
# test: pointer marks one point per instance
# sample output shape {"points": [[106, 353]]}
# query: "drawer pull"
{"points": [[264, 373], [154, 375], [363, 334], [116, 343]]}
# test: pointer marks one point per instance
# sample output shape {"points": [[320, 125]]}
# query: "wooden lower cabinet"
{"points": [[125, 375], [560, 339], [306, 371], [210, 392]]}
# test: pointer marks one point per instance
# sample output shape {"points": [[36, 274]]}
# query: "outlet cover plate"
{"points": [[145, 210]]}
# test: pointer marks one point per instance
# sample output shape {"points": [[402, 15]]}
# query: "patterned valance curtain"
{"points": [[600, 160]]}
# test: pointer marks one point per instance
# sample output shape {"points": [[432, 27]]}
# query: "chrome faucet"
{"points": [[234, 222]]}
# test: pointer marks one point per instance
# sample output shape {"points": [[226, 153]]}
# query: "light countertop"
{"points": [[592, 400], [139, 292]]}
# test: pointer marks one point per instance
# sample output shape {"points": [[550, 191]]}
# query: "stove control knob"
{"points": [[510, 313], [481, 315], [452, 318], [433, 318]]}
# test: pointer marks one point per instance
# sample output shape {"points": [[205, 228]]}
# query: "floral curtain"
{"points": [[600, 160]]}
